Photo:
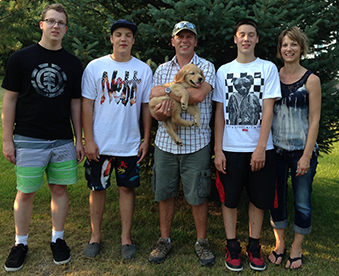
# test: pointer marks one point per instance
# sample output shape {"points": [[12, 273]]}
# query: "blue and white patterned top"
{"points": [[290, 122]]}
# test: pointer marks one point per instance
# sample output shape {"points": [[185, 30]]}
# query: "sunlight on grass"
{"points": [[321, 247]]}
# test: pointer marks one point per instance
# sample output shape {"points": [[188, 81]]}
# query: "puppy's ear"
{"points": [[180, 76]]}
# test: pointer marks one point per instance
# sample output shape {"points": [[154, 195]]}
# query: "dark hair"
{"points": [[246, 21], [296, 35], [57, 7]]}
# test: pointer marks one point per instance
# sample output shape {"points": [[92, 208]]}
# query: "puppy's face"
{"points": [[190, 74]]}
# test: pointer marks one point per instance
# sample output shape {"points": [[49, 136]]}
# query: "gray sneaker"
{"points": [[158, 255], [128, 251], [92, 249], [204, 253]]}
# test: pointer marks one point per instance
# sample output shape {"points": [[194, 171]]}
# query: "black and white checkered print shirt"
{"points": [[193, 138]]}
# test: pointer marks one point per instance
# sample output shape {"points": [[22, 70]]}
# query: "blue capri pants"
{"points": [[302, 189]]}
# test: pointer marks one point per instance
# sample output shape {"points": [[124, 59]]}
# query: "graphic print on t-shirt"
{"points": [[244, 99], [49, 80], [123, 91]]}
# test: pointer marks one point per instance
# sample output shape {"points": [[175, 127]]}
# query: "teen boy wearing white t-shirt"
{"points": [[115, 89], [246, 90]]}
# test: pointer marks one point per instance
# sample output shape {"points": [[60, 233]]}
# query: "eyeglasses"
{"points": [[184, 24], [51, 22]]}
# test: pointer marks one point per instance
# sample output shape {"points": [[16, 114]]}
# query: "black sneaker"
{"points": [[233, 260], [254, 255], [61, 252], [15, 260]]}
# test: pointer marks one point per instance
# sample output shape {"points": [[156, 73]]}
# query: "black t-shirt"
{"points": [[46, 82]]}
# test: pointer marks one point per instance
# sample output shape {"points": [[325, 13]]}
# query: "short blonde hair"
{"points": [[296, 35], [57, 7]]}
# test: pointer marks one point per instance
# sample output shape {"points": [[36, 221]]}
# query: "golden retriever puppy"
{"points": [[188, 76]]}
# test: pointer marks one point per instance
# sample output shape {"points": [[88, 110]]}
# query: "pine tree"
{"points": [[90, 21], [215, 19], [19, 25]]}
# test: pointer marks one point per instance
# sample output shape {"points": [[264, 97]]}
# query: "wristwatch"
{"points": [[167, 91]]}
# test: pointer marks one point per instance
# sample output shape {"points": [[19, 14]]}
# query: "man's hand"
{"points": [[163, 110], [80, 151], [258, 160], [92, 151], [220, 162], [143, 150], [9, 151]]}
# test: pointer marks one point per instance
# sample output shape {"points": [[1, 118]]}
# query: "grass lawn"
{"points": [[321, 247]]}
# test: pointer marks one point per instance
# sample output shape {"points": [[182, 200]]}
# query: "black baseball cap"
{"points": [[123, 23]]}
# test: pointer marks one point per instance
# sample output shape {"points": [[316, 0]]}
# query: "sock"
{"points": [[169, 239], [253, 241], [231, 241], [57, 235], [21, 239]]}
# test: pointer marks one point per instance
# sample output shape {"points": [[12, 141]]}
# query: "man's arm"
{"points": [[76, 121], [91, 148], [219, 156], [197, 95], [147, 123], [8, 118], [164, 110], [259, 154]]}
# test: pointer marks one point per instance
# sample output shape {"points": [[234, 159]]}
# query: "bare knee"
{"points": [[126, 191], [24, 197], [58, 190]]}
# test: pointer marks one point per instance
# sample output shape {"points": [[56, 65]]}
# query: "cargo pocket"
{"points": [[205, 183]]}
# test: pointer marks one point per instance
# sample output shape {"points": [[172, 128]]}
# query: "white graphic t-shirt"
{"points": [[242, 87], [118, 89]]}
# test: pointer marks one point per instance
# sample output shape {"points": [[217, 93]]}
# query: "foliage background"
{"points": [[90, 20]]}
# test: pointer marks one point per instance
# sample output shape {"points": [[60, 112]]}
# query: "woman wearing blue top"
{"points": [[295, 130]]}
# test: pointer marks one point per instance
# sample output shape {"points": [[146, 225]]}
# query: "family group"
{"points": [[266, 126]]}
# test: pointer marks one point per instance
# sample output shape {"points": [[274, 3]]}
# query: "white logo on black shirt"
{"points": [[49, 80]]}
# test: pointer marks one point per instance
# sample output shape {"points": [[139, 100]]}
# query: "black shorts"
{"points": [[260, 185], [98, 174]]}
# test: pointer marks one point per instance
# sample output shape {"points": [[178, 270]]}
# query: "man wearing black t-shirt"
{"points": [[42, 98]]}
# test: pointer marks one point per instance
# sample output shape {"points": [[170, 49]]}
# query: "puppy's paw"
{"points": [[180, 143], [184, 106], [196, 124]]}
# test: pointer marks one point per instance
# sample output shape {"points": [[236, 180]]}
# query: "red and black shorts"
{"points": [[260, 185]]}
